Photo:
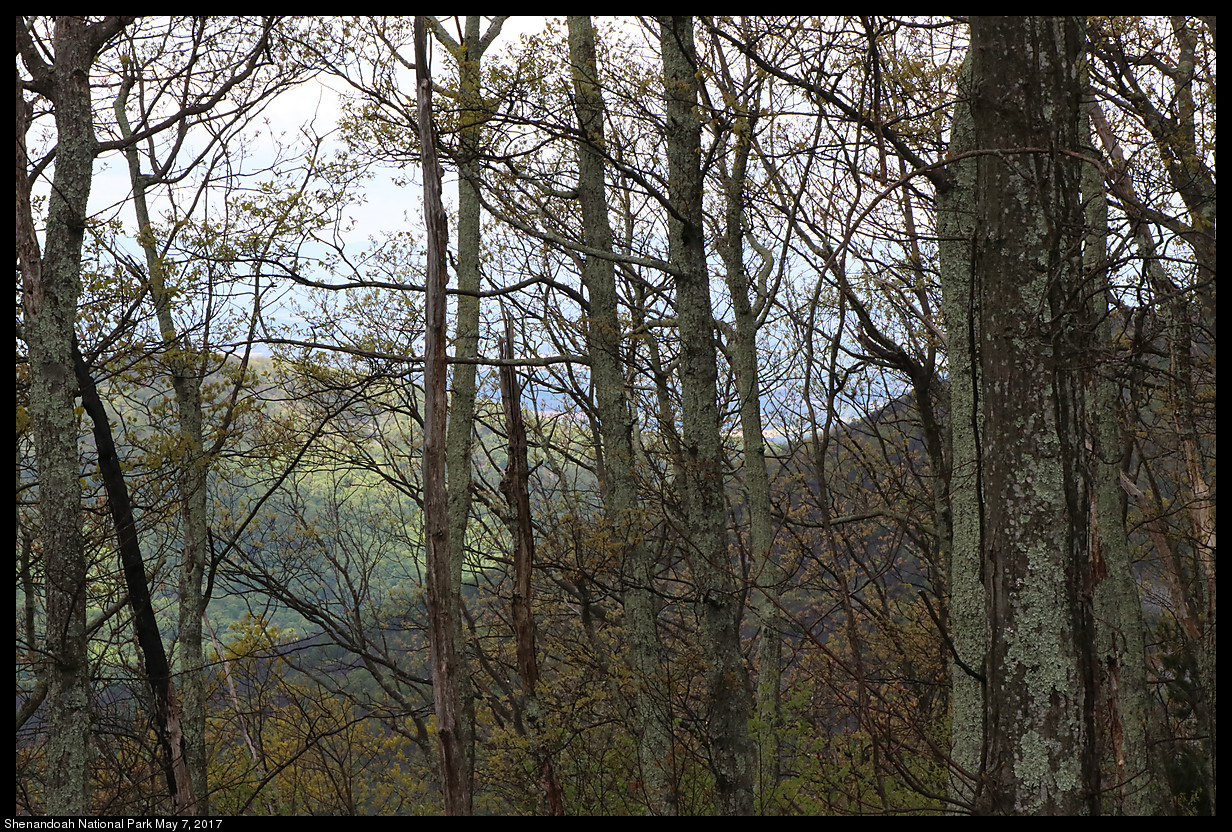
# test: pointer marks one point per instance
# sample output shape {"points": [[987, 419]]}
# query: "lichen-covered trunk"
{"points": [[960, 305], [617, 476], [720, 596], [1026, 98], [51, 286]]}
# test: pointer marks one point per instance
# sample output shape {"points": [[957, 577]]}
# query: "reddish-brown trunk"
{"points": [[517, 493], [443, 603]]}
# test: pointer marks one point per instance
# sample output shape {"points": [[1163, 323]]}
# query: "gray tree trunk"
{"points": [[444, 613], [51, 286], [960, 306], [1175, 310], [191, 479], [617, 475], [743, 349], [1125, 711], [720, 597]]}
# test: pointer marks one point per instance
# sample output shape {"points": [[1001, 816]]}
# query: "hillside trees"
{"points": [[938, 425], [190, 357]]}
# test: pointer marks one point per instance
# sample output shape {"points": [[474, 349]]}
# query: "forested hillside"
{"points": [[640, 416]]}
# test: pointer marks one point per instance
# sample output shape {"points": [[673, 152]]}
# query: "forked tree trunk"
{"points": [[767, 576], [461, 422], [443, 600]]}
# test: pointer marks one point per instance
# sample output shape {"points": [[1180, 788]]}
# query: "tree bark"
{"points": [[1038, 741], [443, 601], [1124, 700], [720, 599], [459, 439], [516, 486], [51, 286], [960, 304]]}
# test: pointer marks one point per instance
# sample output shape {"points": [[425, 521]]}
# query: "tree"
{"points": [[51, 284], [443, 601], [1025, 107], [959, 301], [189, 357], [138, 68], [615, 453], [719, 596], [1149, 80], [472, 112], [943, 445]]}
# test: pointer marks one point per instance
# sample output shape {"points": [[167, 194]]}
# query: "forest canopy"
{"points": [[640, 416]]}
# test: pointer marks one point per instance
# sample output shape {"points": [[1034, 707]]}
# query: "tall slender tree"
{"points": [[459, 440], [617, 478], [443, 601], [719, 595], [51, 286]]}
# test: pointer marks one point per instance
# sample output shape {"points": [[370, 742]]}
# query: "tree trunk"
{"points": [[743, 348], [51, 286], [617, 479], [1175, 310], [191, 479], [1039, 719], [516, 486], [720, 598], [960, 305], [443, 603], [1124, 700], [168, 717], [461, 423]]}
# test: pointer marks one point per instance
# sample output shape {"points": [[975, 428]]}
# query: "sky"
{"points": [[388, 206]]}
